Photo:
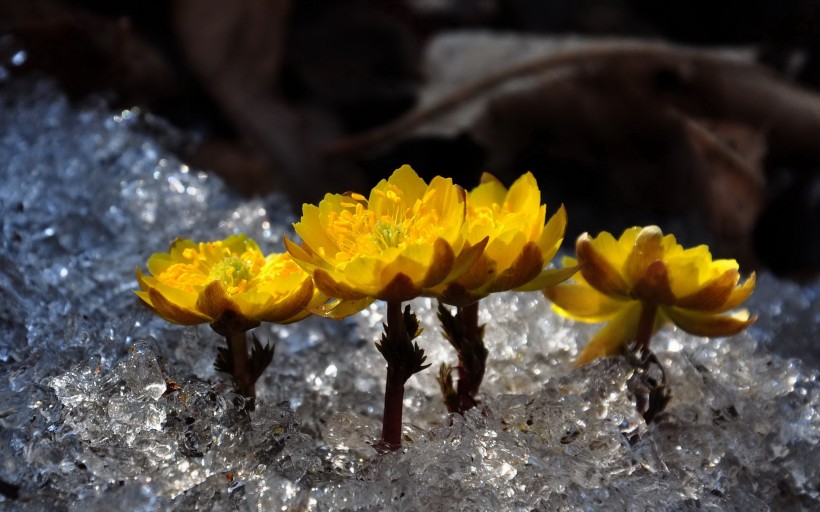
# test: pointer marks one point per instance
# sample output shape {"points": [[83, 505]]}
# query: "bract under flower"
{"points": [[225, 281], [397, 244], [644, 268], [519, 243]]}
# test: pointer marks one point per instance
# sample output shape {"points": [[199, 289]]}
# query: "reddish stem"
{"points": [[241, 371], [393, 409], [470, 371], [394, 386], [646, 324]]}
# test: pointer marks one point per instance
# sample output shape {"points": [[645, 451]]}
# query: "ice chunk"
{"points": [[103, 405]]}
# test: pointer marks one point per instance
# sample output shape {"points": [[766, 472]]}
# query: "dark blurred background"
{"points": [[278, 92]]}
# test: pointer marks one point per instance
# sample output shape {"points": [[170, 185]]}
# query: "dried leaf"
{"points": [[730, 176]]}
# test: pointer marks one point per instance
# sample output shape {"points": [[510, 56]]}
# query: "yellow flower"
{"points": [[645, 279], [519, 245], [224, 281], [399, 243]]}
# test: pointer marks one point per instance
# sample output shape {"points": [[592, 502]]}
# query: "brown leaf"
{"points": [[88, 52], [235, 48], [730, 175]]}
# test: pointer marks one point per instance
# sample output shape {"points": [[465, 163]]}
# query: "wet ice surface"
{"points": [[104, 406]]}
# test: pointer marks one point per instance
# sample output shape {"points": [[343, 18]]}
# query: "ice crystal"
{"points": [[102, 405]]}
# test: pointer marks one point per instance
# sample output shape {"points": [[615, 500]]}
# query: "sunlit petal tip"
{"points": [[647, 248], [297, 252], [561, 213], [141, 280], [597, 271], [649, 233], [553, 233], [487, 177], [338, 309], [710, 325], [739, 294]]}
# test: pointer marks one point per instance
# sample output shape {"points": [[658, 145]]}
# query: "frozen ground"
{"points": [[90, 419]]}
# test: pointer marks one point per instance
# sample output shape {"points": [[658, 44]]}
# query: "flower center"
{"points": [[233, 273], [358, 231], [387, 234], [496, 217]]}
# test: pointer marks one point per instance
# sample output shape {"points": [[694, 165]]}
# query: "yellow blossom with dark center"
{"points": [[208, 282], [400, 242], [644, 271], [519, 244]]}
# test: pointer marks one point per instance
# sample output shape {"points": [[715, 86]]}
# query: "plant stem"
{"points": [[393, 410], [467, 338], [646, 324], [404, 358], [473, 360], [243, 379], [394, 386]]}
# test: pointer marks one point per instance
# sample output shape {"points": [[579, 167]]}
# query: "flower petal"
{"points": [[653, 286], [548, 278], [597, 270], [647, 249], [182, 298], [466, 259], [177, 249], [439, 268], [240, 243], [399, 289], [739, 294], [333, 288], [213, 301], [713, 294], [404, 186], [173, 313], [281, 310], [614, 337], [526, 267], [524, 196], [301, 256], [553, 234], [482, 271], [706, 324], [583, 303], [489, 192], [338, 308]]}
